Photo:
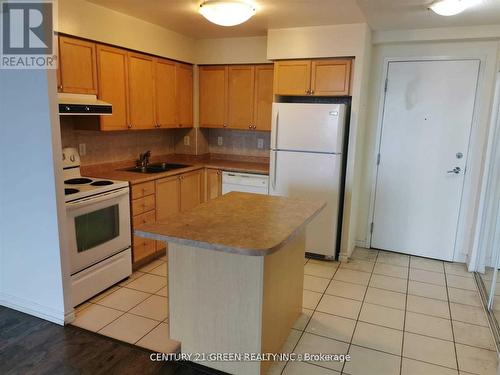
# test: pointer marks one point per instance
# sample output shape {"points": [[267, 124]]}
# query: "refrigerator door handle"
{"points": [[274, 158], [276, 130]]}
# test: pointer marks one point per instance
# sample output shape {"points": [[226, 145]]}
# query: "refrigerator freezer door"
{"points": [[308, 127], [311, 176]]}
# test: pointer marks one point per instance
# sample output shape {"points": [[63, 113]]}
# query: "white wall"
{"points": [[353, 40], [484, 32], [31, 196], [487, 52], [91, 21]]}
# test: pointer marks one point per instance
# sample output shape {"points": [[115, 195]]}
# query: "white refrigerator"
{"points": [[306, 162]]}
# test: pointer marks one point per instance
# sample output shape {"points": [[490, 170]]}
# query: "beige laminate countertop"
{"points": [[116, 172], [241, 223]]}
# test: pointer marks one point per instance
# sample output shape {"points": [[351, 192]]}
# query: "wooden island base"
{"points": [[233, 303]]}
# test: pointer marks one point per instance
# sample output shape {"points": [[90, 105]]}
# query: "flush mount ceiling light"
{"points": [[451, 7], [227, 12]]}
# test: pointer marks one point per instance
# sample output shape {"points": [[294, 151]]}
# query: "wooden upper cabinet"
{"points": [[184, 93], [236, 96], [240, 105], [321, 77], [77, 65], [191, 190], [213, 183], [141, 88], [292, 77], [330, 77], [165, 86], [113, 86], [213, 96], [263, 97], [168, 195]]}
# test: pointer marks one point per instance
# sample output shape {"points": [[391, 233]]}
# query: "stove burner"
{"points": [[102, 183], [78, 181], [70, 191]]}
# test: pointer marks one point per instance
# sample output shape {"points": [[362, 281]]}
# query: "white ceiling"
{"points": [[182, 16], [414, 14]]}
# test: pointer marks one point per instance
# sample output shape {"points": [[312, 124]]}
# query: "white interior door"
{"points": [[427, 119]]}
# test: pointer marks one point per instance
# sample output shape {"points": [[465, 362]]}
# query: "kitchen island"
{"points": [[235, 274]]}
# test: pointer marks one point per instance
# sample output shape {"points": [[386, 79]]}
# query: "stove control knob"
{"points": [[87, 109], [67, 108]]}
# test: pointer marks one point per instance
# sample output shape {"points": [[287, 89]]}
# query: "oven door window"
{"points": [[97, 227]]}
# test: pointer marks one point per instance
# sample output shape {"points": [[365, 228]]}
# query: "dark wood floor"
{"points": [[30, 345]]}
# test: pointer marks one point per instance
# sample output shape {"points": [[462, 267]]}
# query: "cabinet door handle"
{"points": [[129, 126], [224, 125]]}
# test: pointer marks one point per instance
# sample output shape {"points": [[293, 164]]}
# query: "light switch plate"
{"points": [[187, 140], [220, 141], [260, 143], [82, 149]]}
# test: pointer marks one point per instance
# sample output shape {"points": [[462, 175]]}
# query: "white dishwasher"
{"points": [[245, 182]]}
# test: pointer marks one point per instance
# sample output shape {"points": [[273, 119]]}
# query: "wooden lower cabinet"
{"points": [[155, 201], [191, 187], [143, 212], [213, 183], [168, 194]]}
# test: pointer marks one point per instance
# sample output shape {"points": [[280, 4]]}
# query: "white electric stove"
{"points": [[98, 228]]}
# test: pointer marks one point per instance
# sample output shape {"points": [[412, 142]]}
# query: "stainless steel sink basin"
{"points": [[156, 168]]}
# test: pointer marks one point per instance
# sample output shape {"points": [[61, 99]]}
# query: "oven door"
{"points": [[98, 227]]}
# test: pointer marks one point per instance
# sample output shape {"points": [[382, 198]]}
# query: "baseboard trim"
{"points": [[361, 243], [32, 308]]}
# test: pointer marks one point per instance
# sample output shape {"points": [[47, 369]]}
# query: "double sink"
{"points": [[156, 168]]}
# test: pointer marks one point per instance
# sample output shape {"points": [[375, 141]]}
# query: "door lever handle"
{"points": [[455, 170]]}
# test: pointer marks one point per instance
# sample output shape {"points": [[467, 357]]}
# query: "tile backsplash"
{"points": [[106, 147], [238, 142]]}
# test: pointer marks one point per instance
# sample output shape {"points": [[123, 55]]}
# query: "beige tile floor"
{"points": [[394, 314], [134, 311]]}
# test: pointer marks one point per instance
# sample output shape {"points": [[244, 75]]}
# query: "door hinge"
{"points": [[386, 84], [378, 158], [371, 227]]}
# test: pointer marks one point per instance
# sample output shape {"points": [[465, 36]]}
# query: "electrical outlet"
{"points": [[82, 149], [220, 141], [187, 140], [260, 143]]}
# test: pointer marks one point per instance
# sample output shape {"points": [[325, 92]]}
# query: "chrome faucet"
{"points": [[143, 160]]}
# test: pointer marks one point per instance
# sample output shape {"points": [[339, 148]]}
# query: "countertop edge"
{"points": [[123, 175], [229, 249]]}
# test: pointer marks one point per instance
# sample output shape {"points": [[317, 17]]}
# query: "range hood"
{"points": [[81, 104]]}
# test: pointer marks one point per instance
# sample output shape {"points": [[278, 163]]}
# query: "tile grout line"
{"points": [[309, 320], [418, 312], [147, 333], [359, 312], [451, 321], [125, 312], [404, 319]]}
